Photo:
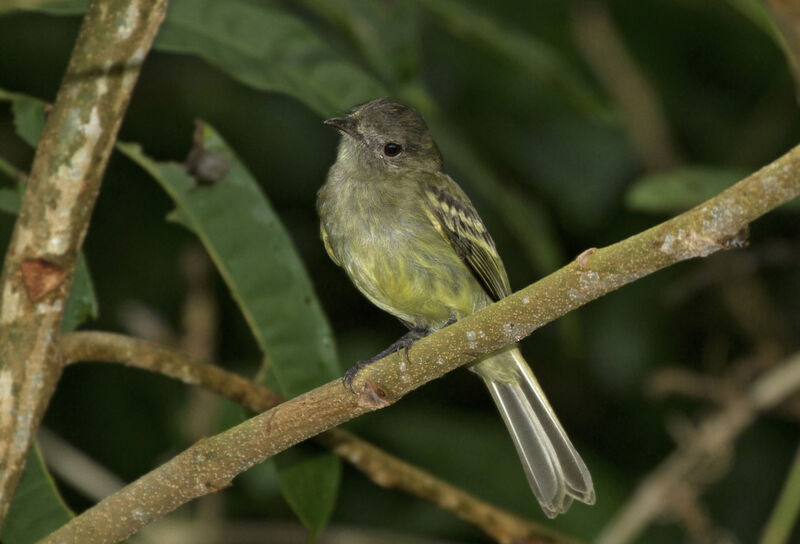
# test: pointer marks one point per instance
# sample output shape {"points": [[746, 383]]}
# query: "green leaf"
{"points": [[385, 33], [309, 479], [267, 49], [757, 13], [29, 116], [82, 301], [679, 189], [527, 53], [37, 509], [10, 200], [255, 256], [257, 260]]}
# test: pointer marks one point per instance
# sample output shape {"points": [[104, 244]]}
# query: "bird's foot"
{"points": [[404, 342]]}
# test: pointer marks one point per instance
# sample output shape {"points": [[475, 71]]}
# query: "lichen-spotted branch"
{"points": [[211, 464], [62, 188], [379, 466]]}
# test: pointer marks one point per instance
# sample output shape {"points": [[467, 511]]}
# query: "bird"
{"points": [[413, 244]]}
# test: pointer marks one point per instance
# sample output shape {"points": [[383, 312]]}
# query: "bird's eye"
{"points": [[392, 149]]}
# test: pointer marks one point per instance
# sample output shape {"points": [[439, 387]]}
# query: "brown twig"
{"points": [[211, 464], [602, 47], [379, 466], [62, 188], [711, 441], [721, 390]]}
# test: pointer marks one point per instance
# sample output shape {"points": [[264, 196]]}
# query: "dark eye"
{"points": [[392, 149]]}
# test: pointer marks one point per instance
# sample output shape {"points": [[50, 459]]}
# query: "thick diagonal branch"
{"points": [[380, 466], [62, 188], [211, 464]]}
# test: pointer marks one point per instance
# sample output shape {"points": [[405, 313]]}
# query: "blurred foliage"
{"points": [[539, 146]]}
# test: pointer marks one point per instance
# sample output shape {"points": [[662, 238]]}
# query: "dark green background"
{"points": [[729, 99]]}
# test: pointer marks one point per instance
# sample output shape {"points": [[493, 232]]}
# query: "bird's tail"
{"points": [[555, 471]]}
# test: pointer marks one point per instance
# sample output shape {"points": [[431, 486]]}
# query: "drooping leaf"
{"points": [[309, 480], [82, 301], [225, 207], [10, 200], [268, 49], [37, 509], [257, 260], [29, 116]]}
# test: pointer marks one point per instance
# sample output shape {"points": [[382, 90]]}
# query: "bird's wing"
{"points": [[324, 234], [454, 216]]}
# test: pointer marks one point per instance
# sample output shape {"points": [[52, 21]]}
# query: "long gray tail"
{"points": [[555, 471]]}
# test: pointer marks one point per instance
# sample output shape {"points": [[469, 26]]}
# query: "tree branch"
{"points": [[62, 188], [689, 463], [381, 467], [211, 464]]}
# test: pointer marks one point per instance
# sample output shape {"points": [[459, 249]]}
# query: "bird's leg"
{"points": [[404, 343]]}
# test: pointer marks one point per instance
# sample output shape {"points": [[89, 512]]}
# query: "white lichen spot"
{"points": [[513, 330], [138, 55], [439, 361], [102, 86], [471, 335], [71, 176], [24, 240], [6, 404], [45, 307], [770, 184], [481, 334], [688, 243], [129, 21], [139, 514], [588, 280], [574, 294], [11, 304], [402, 366], [666, 247], [526, 300]]}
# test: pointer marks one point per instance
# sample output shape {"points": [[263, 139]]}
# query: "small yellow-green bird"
{"points": [[413, 244]]}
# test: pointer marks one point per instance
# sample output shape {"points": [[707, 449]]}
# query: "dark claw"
{"points": [[350, 374], [404, 342]]}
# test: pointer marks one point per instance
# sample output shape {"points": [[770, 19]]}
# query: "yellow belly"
{"points": [[416, 277]]}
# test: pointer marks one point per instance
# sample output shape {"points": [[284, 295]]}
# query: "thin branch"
{"points": [[211, 464], [379, 466], [62, 189], [606, 53], [718, 389], [711, 441]]}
